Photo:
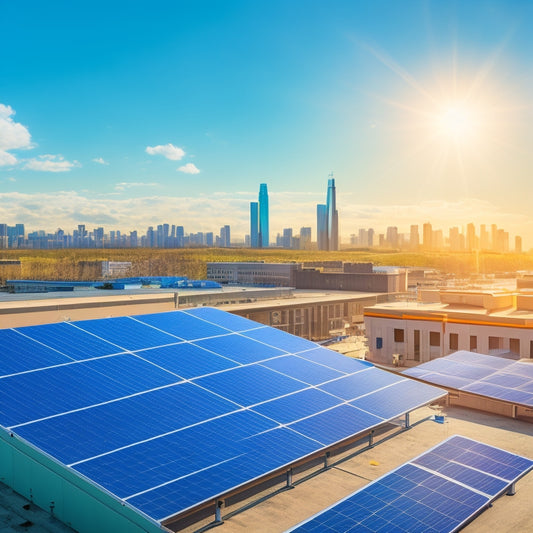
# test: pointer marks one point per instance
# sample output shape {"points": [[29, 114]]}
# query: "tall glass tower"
{"points": [[263, 216], [333, 216], [254, 224], [327, 220]]}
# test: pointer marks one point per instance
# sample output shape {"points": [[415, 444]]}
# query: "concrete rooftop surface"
{"points": [[508, 513]]}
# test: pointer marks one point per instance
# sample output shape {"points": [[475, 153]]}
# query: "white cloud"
{"points": [[7, 159], [189, 168], [167, 150], [130, 185], [50, 163], [13, 136], [100, 160]]}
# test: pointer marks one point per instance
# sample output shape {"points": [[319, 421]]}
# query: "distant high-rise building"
{"points": [[225, 237], [392, 236], [328, 220], [484, 242], [264, 232], [305, 238], [287, 238], [427, 236], [414, 237], [254, 224], [518, 244], [322, 226], [471, 239]]}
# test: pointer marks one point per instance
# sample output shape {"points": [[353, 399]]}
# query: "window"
{"points": [[514, 346], [495, 343], [398, 335], [416, 339], [379, 343], [434, 338], [454, 341], [473, 343]]}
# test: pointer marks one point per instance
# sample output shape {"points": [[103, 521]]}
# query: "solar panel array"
{"points": [[169, 410], [439, 491], [490, 376]]}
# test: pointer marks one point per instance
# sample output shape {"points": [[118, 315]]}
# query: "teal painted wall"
{"points": [[77, 502]]}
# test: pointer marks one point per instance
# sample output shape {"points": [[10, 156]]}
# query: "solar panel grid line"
{"points": [[136, 319], [465, 509], [233, 360], [180, 478], [71, 362], [155, 437], [74, 325], [114, 400], [375, 390], [42, 344], [443, 476], [266, 449], [299, 354]]}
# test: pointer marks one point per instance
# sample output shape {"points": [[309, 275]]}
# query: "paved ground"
{"points": [[508, 514]]}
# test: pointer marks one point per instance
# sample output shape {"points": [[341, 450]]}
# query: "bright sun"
{"points": [[457, 122]]}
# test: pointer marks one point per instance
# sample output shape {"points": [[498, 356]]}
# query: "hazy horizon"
{"points": [[126, 115]]}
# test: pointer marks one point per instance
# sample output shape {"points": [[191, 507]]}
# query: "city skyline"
{"points": [[177, 111], [166, 235]]}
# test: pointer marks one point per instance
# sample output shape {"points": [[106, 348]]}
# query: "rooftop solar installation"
{"points": [[486, 375], [439, 491], [167, 411]]}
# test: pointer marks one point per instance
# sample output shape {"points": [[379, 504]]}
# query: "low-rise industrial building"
{"points": [[327, 275], [409, 333]]}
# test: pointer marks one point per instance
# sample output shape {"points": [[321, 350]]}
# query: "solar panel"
{"points": [[166, 411], [486, 375], [438, 491]]}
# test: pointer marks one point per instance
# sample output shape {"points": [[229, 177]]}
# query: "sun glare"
{"points": [[457, 122]]}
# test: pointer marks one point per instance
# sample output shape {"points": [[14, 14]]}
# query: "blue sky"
{"points": [[129, 114]]}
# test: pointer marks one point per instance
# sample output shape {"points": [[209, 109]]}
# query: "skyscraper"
{"points": [[263, 216], [327, 221], [254, 225]]}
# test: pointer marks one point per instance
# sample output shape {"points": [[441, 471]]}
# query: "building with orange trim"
{"points": [[409, 333]]}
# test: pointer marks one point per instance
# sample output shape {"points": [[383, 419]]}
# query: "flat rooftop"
{"points": [[508, 513], [450, 309]]}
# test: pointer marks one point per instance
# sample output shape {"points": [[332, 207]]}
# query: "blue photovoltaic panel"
{"points": [[297, 406], [335, 425], [486, 375], [221, 440], [75, 386], [264, 452], [239, 348], [186, 359], [439, 491], [20, 353], [355, 385], [248, 385], [302, 369], [281, 340], [222, 318], [334, 360], [83, 434], [167, 411], [127, 333], [393, 401], [183, 325], [69, 340], [480, 359]]}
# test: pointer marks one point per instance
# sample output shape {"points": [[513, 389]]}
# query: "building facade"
{"points": [[489, 323], [264, 230]]}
